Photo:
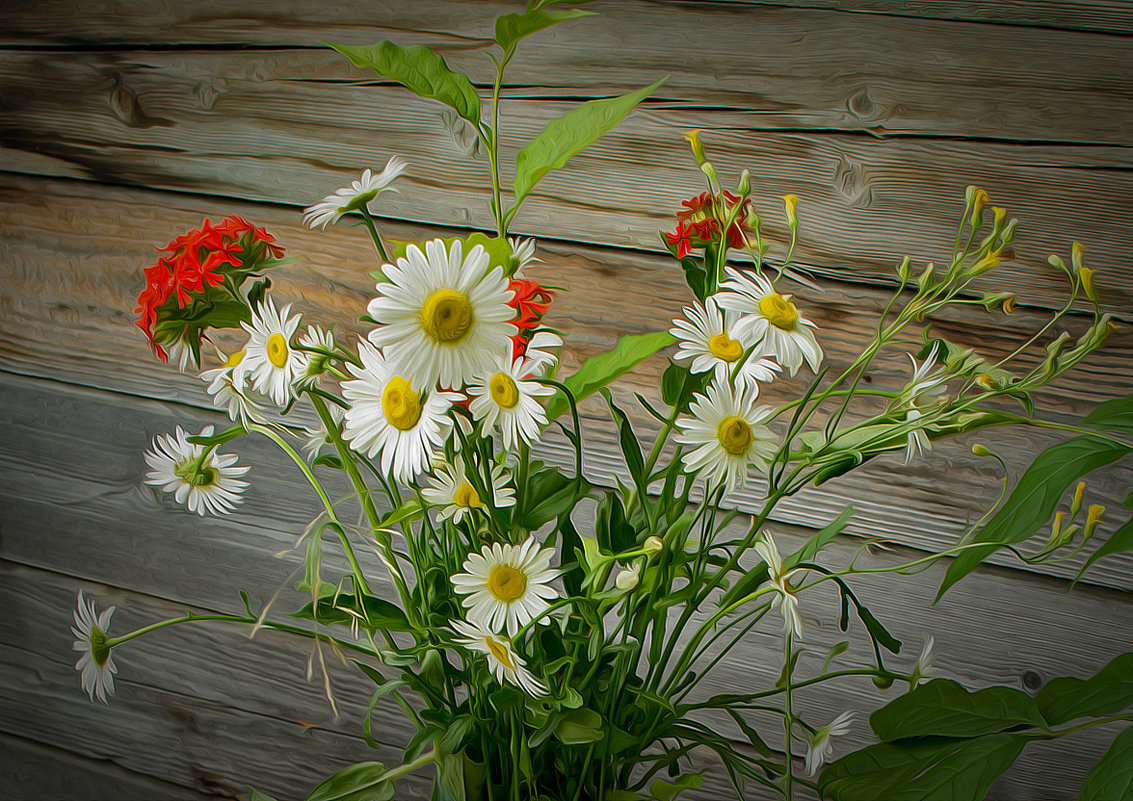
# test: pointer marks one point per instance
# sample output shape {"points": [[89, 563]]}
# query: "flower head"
{"points": [[928, 381], [270, 360], [780, 578], [523, 253], [820, 747], [772, 320], [708, 336], [506, 585], [313, 363], [203, 481], [96, 665], [702, 218], [506, 665], [504, 398], [924, 668], [356, 196], [455, 494], [227, 393]]}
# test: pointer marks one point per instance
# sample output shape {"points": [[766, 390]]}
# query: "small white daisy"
{"points": [[180, 351], [708, 337], [507, 585], [543, 351], [442, 316], [505, 399], [727, 432], [924, 668], [270, 363], [206, 484], [786, 597], [353, 197], [96, 665], [312, 365], [770, 319], [454, 494], [523, 251], [315, 437], [388, 415], [928, 382], [820, 747], [506, 665], [241, 403]]}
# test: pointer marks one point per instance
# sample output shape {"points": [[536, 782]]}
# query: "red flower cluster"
{"points": [[698, 225], [530, 301]]}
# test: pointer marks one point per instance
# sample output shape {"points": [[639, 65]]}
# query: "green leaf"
{"points": [[1112, 778], [1119, 542], [631, 449], [666, 791], [510, 28], [256, 795], [839, 648], [362, 782], [1032, 502], [373, 614], [419, 70], [407, 512], [580, 726], [600, 370], [679, 385], [942, 707], [568, 135], [213, 440], [327, 460], [1108, 692], [935, 768], [498, 249], [556, 493], [1113, 415], [820, 540]]}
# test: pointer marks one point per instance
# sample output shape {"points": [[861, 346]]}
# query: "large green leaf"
{"points": [[1033, 501], [1113, 415], [1108, 692], [942, 707], [1119, 542], [600, 370], [570, 134], [1112, 778], [362, 782], [510, 28], [419, 70], [580, 726]]}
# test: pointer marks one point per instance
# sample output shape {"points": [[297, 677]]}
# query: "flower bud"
{"points": [[791, 203], [1054, 353], [1007, 235], [693, 138], [980, 450], [988, 262], [744, 186], [977, 199], [653, 546], [1004, 301], [628, 578], [926, 278], [1076, 504], [904, 269], [883, 682], [709, 171], [1093, 517]]}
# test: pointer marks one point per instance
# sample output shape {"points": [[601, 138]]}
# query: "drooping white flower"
{"points": [[506, 665], [504, 398], [353, 197], [451, 490], [204, 483], [442, 316], [542, 351], [708, 337], [523, 251], [820, 748], [785, 597], [311, 364], [924, 668], [506, 585], [270, 362], [928, 381], [96, 665], [241, 402], [180, 351], [316, 437], [725, 429], [389, 415], [770, 319]]}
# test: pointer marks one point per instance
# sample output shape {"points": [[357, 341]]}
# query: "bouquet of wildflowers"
{"points": [[549, 638]]}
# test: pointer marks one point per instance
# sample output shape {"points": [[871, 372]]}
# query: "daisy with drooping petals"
{"points": [[313, 364], [708, 336], [456, 496], [205, 482], [924, 669], [726, 430], [241, 403], [354, 197], [523, 251], [506, 665], [780, 578], [820, 748], [504, 398], [96, 665], [388, 415], [443, 315], [541, 351], [270, 362], [770, 319], [928, 381], [507, 585], [316, 436]]}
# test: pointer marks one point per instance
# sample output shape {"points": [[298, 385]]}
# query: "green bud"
{"points": [[926, 278], [904, 269], [744, 186], [980, 450], [653, 546], [883, 682]]}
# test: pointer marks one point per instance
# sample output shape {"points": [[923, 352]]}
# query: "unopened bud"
{"points": [[1054, 353], [693, 138], [999, 216], [744, 186], [1076, 504], [999, 300], [1058, 535], [1093, 517], [1076, 251], [1086, 274], [926, 277], [653, 546], [978, 199], [628, 579], [791, 203], [904, 269], [1007, 235], [883, 682], [710, 171], [988, 262], [980, 450]]}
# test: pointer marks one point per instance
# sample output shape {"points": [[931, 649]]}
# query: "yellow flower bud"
{"points": [[988, 262], [1093, 517], [791, 203], [693, 138], [1076, 504]]}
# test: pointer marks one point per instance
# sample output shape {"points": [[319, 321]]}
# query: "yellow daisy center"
{"points": [[725, 348], [446, 316], [400, 404], [467, 497], [507, 583], [277, 350], [503, 389], [235, 359], [500, 652], [779, 311], [735, 435]]}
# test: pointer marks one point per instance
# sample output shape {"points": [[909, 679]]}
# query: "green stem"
{"points": [[788, 719], [369, 221], [195, 618]]}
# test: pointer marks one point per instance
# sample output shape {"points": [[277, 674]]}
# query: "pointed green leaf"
{"points": [[1108, 692], [820, 540], [362, 782], [942, 707], [213, 440], [256, 795], [631, 449], [373, 614], [667, 791], [510, 28], [600, 370], [1112, 778], [1119, 542], [580, 726], [1113, 415]]}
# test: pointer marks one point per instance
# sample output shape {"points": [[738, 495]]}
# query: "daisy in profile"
{"points": [[313, 364], [506, 585], [924, 669], [780, 578], [270, 362], [315, 437], [354, 197], [523, 252], [504, 398], [820, 748], [442, 315], [542, 351], [455, 496], [770, 319], [96, 665], [727, 433], [506, 665], [708, 336], [206, 482], [928, 382], [242, 404], [388, 415]]}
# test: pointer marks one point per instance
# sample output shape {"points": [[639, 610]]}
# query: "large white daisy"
{"points": [[205, 483], [353, 197], [240, 402], [726, 431], [770, 319], [708, 336], [96, 665], [506, 665], [270, 362], [388, 415], [442, 316], [504, 398], [455, 496], [507, 585]]}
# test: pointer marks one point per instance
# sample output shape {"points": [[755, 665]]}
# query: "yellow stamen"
{"points": [[500, 652], [446, 316], [277, 350], [735, 435], [400, 404], [503, 390], [467, 497], [506, 583], [725, 348], [779, 311], [234, 359]]}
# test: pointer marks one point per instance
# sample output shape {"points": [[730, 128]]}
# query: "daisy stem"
{"points": [[369, 221], [788, 717], [195, 618]]}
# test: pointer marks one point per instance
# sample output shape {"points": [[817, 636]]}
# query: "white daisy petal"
{"points": [[96, 665], [270, 362], [503, 398], [820, 748], [242, 403], [502, 583], [353, 197], [208, 485], [454, 494], [708, 336]]}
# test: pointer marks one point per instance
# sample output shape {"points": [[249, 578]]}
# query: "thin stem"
{"points": [[369, 221], [247, 619]]}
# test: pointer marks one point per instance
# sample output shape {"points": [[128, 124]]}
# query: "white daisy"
{"points": [[543, 351], [523, 251], [727, 431], [270, 363], [928, 381], [767, 551], [442, 316], [506, 585], [504, 398], [316, 436], [388, 415], [820, 747], [708, 336], [924, 668], [770, 319], [180, 351], [205, 483], [353, 197], [96, 665], [311, 365], [451, 490], [240, 402], [506, 664]]}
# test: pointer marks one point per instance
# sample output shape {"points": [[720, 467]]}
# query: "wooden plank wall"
{"points": [[126, 123]]}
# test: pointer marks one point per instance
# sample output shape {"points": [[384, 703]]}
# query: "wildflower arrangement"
{"points": [[545, 654]]}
